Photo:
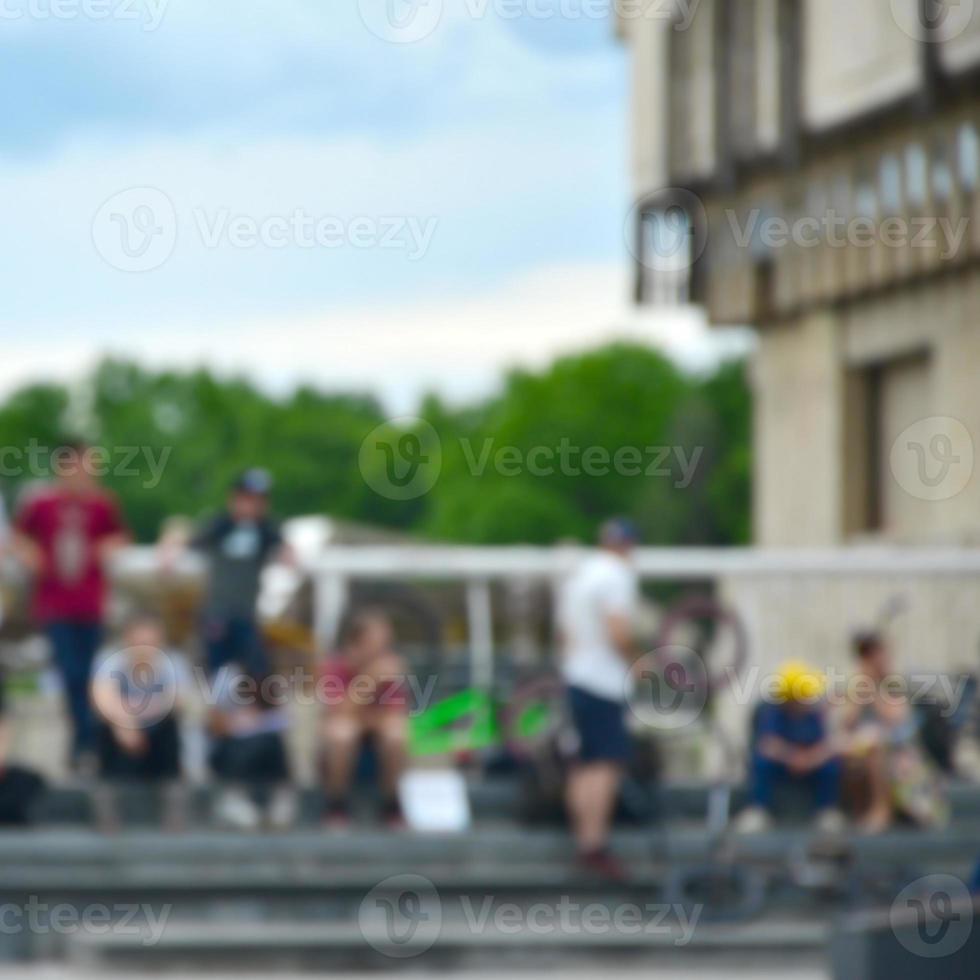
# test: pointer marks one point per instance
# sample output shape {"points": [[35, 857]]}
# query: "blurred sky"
{"points": [[507, 135]]}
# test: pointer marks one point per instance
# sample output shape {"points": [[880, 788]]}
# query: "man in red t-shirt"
{"points": [[64, 534]]}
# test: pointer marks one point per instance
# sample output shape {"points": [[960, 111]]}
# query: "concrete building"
{"points": [[821, 159]]}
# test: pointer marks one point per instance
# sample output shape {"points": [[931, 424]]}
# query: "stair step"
{"points": [[305, 941]]}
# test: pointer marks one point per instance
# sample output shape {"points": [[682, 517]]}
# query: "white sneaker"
{"points": [[282, 809], [754, 820], [236, 809], [830, 821]]}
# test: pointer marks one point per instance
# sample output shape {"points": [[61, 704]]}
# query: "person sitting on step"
{"points": [[137, 691], [248, 724], [367, 697], [793, 745]]}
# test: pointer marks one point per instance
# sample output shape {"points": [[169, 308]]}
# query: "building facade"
{"points": [[822, 158]]}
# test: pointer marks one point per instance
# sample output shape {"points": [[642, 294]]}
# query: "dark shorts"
{"points": [[251, 759], [601, 728], [160, 761]]}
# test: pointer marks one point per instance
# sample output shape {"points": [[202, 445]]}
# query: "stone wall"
{"points": [[812, 618]]}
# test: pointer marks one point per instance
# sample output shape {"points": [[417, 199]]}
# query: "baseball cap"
{"points": [[619, 531], [255, 480]]}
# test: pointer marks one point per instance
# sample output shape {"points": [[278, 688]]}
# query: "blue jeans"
{"points": [[234, 639], [73, 646], [823, 783]]}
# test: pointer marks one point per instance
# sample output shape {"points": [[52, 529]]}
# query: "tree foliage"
{"points": [[617, 430]]}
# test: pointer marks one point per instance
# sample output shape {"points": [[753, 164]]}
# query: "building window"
{"points": [[890, 185], [968, 157], [666, 255], [888, 397], [916, 175]]}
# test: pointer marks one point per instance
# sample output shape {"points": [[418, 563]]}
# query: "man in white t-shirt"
{"points": [[597, 610]]}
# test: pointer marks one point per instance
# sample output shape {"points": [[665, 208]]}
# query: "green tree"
{"points": [[618, 398]]}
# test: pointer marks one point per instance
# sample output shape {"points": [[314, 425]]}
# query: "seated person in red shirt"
{"points": [[366, 695], [65, 535]]}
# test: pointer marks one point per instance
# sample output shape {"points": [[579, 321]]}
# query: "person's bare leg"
{"points": [[591, 797], [342, 739], [879, 814], [391, 732]]}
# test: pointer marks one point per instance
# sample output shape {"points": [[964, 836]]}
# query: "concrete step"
{"points": [[434, 941], [501, 849], [297, 898], [496, 798]]}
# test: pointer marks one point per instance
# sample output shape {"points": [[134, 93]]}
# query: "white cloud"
{"points": [[459, 348], [517, 146]]}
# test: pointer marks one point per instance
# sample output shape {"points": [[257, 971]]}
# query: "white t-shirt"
{"points": [[604, 585]]}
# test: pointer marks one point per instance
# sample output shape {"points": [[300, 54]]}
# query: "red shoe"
{"points": [[600, 862]]}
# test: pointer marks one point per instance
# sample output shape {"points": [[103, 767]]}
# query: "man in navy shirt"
{"points": [[793, 745], [238, 543]]}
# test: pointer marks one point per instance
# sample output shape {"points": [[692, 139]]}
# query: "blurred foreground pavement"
{"points": [[698, 969]]}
